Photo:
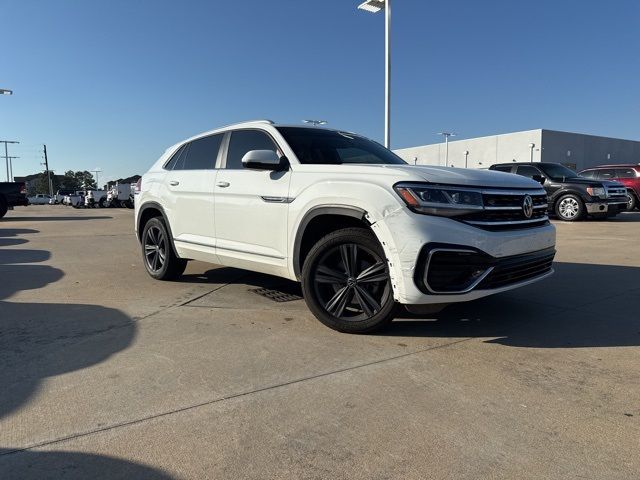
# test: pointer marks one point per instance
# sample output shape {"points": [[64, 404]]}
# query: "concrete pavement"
{"points": [[109, 374]]}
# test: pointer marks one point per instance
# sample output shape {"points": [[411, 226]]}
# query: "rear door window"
{"points": [[201, 154], [170, 165], [606, 174]]}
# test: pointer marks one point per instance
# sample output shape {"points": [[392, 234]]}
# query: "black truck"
{"points": [[12, 194], [569, 196]]}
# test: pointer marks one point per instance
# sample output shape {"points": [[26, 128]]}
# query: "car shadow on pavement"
{"points": [[43, 340], [54, 219], [582, 305]]}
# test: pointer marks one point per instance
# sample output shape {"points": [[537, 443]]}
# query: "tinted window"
{"points": [[243, 141], [588, 174], [176, 156], [502, 168], [527, 171], [606, 173], [201, 155], [625, 173], [319, 146], [557, 172]]}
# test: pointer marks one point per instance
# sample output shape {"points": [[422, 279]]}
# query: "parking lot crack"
{"points": [[231, 397]]}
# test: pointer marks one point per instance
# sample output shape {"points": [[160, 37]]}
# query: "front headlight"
{"points": [[439, 200], [597, 192]]}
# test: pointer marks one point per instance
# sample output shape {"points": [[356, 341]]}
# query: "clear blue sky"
{"points": [[111, 84]]}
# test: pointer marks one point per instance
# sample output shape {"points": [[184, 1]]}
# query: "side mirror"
{"points": [[263, 160], [539, 178]]}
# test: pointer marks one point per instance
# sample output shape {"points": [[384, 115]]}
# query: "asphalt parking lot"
{"points": [[109, 374]]}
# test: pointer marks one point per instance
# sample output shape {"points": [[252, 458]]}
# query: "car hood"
{"points": [[591, 182], [465, 176]]}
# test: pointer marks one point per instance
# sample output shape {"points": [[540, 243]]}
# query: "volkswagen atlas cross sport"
{"points": [[359, 228]]}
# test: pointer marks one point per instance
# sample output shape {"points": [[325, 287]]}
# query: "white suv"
{"points": [[358, 227]]}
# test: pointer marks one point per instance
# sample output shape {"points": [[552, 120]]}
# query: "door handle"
{"points": [[174, 183], [223, 184]]}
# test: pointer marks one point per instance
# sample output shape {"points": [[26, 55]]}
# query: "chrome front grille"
{"points": [[505, 209], [616, 192]]}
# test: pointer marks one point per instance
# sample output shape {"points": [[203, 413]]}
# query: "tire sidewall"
{"points": [[360, 237], [581, 208], [156, 222]]}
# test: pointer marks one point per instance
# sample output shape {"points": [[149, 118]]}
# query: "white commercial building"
{"points": [[575, 150]]}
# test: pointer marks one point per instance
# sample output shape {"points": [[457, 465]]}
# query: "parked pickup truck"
{"points": [[12, 194], [569, 196]]}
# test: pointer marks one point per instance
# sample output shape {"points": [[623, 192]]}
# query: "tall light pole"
{"points": [[11, 167], [97, 171], [531, 146], [6, 154], [375, 6], [446, 136]]}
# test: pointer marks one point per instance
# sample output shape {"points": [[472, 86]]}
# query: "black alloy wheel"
{"points": [[346, 282], [159, 258]]}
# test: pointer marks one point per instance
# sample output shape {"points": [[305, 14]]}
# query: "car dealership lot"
{"points": [[109, 373]]}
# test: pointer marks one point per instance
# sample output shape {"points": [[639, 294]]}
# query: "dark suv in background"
{"points": [[628, 175], [569, 196]]}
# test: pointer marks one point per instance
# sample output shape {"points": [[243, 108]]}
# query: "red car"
{"points": [[627, 174]]}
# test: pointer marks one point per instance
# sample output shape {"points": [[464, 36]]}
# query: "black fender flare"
{"points": [[344, 210], [165, 219]]}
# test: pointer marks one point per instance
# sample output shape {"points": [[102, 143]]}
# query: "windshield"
{"points": [[556, 171], [319, 146]]}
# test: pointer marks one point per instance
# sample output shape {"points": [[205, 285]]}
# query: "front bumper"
{"points": [[405, 235], [610, 206]]}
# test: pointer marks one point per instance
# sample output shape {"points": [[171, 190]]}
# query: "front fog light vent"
{"points": [[454, 271]]}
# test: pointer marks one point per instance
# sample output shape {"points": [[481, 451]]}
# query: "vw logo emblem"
{"points": [[527, 206]]}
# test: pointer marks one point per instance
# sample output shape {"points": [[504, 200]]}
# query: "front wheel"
{"points": [[346, 283], [632, 201], [570, 208], [158, 256]]}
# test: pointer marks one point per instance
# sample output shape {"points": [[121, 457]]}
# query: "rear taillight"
{"points": [[139, 185], [23, 189]]}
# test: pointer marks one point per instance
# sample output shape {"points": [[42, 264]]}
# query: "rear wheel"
{"points": [[632, 201], [346, 283], [569, 208], [3, 207], [158, 256]]}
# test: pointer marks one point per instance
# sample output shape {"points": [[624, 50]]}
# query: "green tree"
{"points": [[42, 183], [70, 181], [85, 179]]}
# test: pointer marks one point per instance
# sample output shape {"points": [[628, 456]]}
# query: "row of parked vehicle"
{"points": [[120, 195], [597, 192]]}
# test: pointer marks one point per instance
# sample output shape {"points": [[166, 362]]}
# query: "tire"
{"points": [[3, 207], [346, 295], [632, 204], [101, 202], [569, 208], [158, 256], [128, 204]]}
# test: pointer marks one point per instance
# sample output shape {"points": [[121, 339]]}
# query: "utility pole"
{"points": [[11, 167], [6, 154], [97, 177], [46, 165]]}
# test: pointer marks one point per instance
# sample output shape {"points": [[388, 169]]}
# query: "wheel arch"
{"points": [[150, 210], [337, 216]]}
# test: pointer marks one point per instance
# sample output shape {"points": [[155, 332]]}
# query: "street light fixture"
{"points": [[531, 147], [466, 158], [315, 123], [4, 91], [446, 136], [374, 6]]}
